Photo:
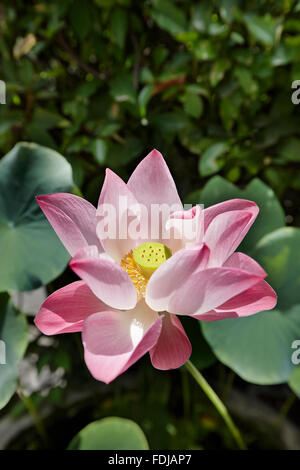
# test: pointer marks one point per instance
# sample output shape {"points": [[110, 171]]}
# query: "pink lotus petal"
{"points": [[258, 298], [108, 281], [186, 227], [215, 315], [73, 219], [231, 205], [224, 234], [172, 274], [117, 197], [244, 262], [65, 310], [152, 183], [113, 341], [173, 347], [206, 290]]}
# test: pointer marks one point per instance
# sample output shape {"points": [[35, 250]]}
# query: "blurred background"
{"points": [[103, 82]]}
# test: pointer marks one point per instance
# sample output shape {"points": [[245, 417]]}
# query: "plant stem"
{"points": [[228, 385], [219, 405], [35, 416], [285, 410]]}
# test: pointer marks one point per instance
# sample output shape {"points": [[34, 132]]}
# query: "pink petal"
{"points": [[65, 310], [152, 183], [224, 234], [258, 298], [206, 290], [215, 315], [244, 262], [173, 273], [108, 281], [113, 341], [227, 206], [186, 227], [73, 219], [117, 205], [173, 347]]}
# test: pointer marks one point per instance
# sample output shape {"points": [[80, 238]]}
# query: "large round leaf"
{"points": [[257, 348], [294, 381], [31, 253], [14, 339], [271, 215], [279, 254], [110, 434]]}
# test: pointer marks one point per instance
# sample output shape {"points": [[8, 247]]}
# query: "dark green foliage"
{"points": [[207, 83]]}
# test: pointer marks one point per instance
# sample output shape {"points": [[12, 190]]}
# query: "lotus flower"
{"points": [[133, 289]]}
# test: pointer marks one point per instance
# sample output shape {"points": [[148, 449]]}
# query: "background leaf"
{"points": [[168, 16], [294, 381], [210, 161], [81, 18], [110, 434], [261, 28], [13, 331], [119, 26], [279, 255], [193, 105], [33, 253], [258, 347]]}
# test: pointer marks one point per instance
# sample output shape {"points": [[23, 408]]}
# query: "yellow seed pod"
{"points": [[149, 256]]}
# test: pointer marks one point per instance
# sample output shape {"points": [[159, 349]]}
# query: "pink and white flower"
{"points": [[127, 304]]}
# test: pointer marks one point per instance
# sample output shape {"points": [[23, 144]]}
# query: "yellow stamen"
{"points": [[138, 279]]}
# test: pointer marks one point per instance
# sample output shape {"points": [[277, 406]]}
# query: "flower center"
{"points": [[141, 263], [149, 256]]}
